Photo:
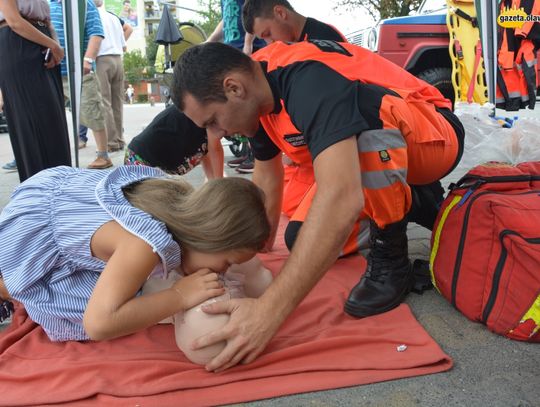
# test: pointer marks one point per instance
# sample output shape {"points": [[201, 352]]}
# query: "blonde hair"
{"points": [[223, 214]]}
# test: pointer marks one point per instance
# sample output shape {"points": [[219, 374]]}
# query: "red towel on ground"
{"points": [[319, 347]]}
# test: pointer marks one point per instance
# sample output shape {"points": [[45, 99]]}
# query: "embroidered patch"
{"points": [[295, 140], [384, 156]]}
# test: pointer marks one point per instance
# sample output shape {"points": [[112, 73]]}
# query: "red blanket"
{"points": [[319, 347]]}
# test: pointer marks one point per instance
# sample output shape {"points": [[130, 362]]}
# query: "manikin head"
{"points": [[272, 20], [221, 89]]}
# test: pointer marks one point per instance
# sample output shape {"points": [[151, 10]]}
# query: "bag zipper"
{"points": [[499, 269], [463, 234], [478, 179]]}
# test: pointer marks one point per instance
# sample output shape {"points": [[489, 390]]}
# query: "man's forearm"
{"points": [[93, 47], [128, 30], [270, 180], [217, 34], [331, 217], [317, 247]]}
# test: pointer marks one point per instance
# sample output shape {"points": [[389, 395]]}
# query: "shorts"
{"points": [[92, 114]]}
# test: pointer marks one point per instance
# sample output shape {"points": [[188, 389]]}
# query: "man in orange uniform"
{"points": [[276, 20], [370, 129]]}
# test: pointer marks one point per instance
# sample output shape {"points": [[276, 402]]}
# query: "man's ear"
{"points": [[233, 86], [281, 12]]}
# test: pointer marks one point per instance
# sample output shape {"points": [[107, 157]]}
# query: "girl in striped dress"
{"points": [[78, 245]]}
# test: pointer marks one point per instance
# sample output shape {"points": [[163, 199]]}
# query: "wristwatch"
{"points": [[89, 60]]}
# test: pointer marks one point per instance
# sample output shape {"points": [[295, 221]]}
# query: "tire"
{"points": [[441, 78], [239, 146]]}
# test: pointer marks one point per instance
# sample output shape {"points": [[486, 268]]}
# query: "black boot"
{"points": [[388, 277]]}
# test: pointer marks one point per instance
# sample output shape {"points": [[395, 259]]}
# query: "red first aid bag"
{"points": [[485, 256]]}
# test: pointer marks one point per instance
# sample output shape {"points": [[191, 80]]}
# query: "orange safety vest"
{"points": [[358, 64]]}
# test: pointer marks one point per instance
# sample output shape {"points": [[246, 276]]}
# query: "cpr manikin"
{"points": [[249, 279]]}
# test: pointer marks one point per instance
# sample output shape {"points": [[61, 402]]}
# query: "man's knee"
{"points": [[291, 233]]}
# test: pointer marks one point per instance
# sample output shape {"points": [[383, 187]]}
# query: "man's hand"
{"points": [[251, 326], [87, 67]]}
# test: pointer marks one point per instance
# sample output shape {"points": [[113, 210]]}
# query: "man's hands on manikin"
{"points": [[251, 326]]}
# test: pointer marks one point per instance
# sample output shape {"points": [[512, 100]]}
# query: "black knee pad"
{"points": [[292, 232]]}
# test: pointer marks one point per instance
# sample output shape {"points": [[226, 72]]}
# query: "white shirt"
{"points": [[114, 41]]}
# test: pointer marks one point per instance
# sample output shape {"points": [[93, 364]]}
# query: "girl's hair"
{"points": [[223, 214]]}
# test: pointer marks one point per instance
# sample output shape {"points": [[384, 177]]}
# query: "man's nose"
{"points": [[216, 133]]}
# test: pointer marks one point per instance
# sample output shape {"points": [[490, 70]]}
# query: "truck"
{"points": [[418, 43]]}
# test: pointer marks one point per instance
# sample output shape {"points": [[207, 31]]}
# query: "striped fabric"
{"points": [[92, 26], [45, 230]]}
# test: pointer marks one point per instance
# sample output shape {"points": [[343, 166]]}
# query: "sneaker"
{"points": [[236, 162], [6, 310], [11, 166], [100, 163], [82, 144], [246, 167]]}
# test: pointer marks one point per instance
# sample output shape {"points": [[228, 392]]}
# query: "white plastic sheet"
{"points": [[486, 139]]}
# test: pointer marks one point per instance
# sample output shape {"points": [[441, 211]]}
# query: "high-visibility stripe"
{"points": [[437, 237], [533, 314], [383, 179], [380, 139]]}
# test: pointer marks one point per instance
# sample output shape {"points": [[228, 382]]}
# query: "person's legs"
{"points": [[357, 240], [83, 136], [298, 179], [103, 71], [117, 101], [93, 116], [422, 150], [33, 106]]}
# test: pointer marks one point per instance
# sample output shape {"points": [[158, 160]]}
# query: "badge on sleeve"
{"points": [[384, 156]]}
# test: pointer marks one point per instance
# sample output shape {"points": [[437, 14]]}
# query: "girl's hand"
{"points": [[198, 287]]}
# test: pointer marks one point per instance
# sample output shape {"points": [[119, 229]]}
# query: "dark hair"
{"points": [[260, 8], [200, 71]]}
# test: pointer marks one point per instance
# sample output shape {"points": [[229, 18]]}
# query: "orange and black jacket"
{"points": [[325, 92], [516, 59]]}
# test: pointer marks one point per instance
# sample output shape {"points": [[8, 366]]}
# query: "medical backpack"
{"points": [[485, 256]]}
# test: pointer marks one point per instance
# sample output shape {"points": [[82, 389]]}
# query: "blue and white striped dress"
{"points": [[45, 232]]}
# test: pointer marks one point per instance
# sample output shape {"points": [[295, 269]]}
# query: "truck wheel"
{"points": [[441, 78]]}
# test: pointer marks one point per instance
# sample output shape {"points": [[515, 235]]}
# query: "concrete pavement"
{"points": [[489, 370]]}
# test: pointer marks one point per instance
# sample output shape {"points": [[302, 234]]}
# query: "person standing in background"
{"points": [[92, 110], [130, 93], [230, 31], [276, 20], [30, 83], [110, 71]]}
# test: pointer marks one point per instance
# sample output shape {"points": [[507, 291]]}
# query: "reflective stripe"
{"points": [[383, 179], [437, 238], [379, 140]]}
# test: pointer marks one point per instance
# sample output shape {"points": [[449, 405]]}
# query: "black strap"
{"points": [[462, 14], [422, 277]]}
